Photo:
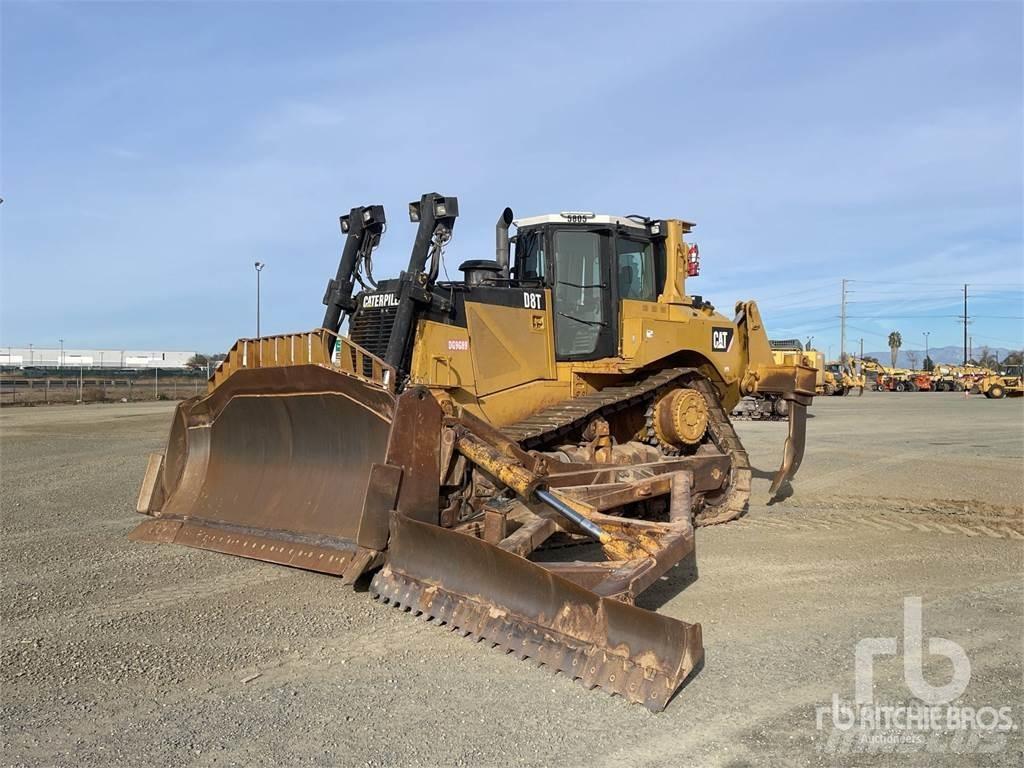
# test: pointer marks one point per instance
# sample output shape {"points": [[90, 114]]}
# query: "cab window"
{"points": [[530, 255], [635, 265]]}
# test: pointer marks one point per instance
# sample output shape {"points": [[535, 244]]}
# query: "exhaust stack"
{"points": [[501, 246]]}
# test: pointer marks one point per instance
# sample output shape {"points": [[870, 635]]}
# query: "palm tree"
{"points": [[895, 342]]}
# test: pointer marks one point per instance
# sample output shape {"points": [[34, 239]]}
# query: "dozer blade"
{"points": [[280, 464], [491, 594], [793, 452]]}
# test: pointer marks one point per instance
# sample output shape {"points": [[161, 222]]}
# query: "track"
{"points": [[963, 517], [554, 424], [799, 521]]}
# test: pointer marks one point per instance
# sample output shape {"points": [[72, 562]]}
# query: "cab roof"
{"points": [[580, 217]]}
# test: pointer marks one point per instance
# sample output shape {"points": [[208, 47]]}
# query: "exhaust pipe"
{"points": [[501, 246]]}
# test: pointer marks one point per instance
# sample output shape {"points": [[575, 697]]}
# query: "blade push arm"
{"points": [[363, 227], [435, 215]]}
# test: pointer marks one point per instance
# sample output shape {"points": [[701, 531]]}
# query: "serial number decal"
{"points": [[533, 300], [721, 338], [380, 300], [458, 345]]}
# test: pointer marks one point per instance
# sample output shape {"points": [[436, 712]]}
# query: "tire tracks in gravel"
{"points": [[959, 517], [149, 601], [798, 702], [299, 666], [13, 540]]}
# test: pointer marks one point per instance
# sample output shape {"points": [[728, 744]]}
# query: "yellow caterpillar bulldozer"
{"points": [[517, 454]]}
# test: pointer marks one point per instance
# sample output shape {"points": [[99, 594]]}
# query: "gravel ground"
{"points": [[116, 652]]}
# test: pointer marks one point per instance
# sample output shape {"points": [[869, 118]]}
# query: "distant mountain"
{"points": [[948, 355]]}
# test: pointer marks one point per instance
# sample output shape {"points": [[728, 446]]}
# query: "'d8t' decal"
{"points": [[533, 300]]}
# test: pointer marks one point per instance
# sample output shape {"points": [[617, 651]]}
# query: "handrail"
{"points": [[317, 347]]}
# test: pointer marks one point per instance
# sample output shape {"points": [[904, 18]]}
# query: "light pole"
{"points": [[31, 356], [61, 366], [926, 335], [259, 268]]}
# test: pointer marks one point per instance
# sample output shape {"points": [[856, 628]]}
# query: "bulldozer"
{"points": [[518, 454]]}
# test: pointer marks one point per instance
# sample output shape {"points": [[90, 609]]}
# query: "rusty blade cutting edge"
{"points": [[512, 602], [333, 559]]}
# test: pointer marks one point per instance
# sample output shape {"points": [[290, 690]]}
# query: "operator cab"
{"points": [[590, 262]]}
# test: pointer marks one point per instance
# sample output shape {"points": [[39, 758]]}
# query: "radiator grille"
{"points": [[371, 330]]}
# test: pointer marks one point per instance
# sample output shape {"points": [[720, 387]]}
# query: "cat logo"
{"points": [[721, 338]]}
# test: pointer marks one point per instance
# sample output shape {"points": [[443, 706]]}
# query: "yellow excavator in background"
{"points": [[463, 433]]}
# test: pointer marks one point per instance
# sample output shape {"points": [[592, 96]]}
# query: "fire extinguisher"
{"points": [[693, 261]]}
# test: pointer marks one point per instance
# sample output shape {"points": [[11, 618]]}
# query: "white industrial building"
{"points": [[71, 357]]}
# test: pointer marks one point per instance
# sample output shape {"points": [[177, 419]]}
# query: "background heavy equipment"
{"points": [[844, 379], [996, 386], [895, 379], [826, 382], [770, 406], [947, 378], [464, 432]]}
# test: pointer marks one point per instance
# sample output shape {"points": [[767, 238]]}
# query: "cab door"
{"points": [[646, 331], [582, 294]]}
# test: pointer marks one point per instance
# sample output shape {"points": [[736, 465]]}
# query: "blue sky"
{"points": [[151, 152]]}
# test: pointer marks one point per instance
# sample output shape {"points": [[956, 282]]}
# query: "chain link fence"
{"points": [[90, 386]]}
